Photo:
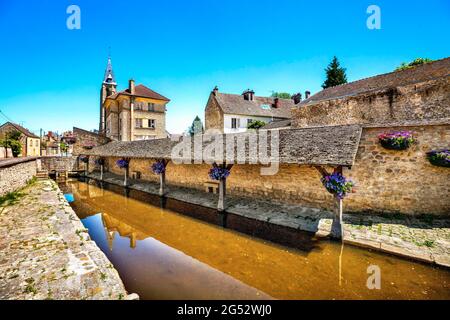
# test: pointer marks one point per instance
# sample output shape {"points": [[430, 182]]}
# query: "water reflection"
{"points": [[164, 255]]}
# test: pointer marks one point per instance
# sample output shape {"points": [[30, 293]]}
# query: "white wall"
{"points": [[243, 122]]}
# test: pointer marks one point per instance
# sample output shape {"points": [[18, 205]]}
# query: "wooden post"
{"points": [[339, 209], [101, 172]]}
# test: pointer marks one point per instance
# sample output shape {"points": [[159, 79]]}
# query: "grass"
{"points": [[10, 198]]}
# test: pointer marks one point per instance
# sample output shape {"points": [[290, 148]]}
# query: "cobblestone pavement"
{"points": [[46, 253], [427, 239]]}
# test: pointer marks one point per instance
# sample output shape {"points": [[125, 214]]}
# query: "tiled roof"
{"points": [[277, 124], [314, 146], [259, 106], [21, 129], [425, 72], [141, 91]]}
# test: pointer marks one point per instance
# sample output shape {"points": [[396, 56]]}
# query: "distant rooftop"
{"points": [[429, 71], [21, 129]]}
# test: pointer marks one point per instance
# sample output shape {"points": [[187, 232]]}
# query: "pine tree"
{"points": [[196, 127], [335, 74]]}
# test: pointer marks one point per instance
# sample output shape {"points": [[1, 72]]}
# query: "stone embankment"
{"points": [[426, 239], [46, 253]]}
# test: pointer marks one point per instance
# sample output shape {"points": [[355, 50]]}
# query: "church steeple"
{"points": [[109, 73], [109, 87]]}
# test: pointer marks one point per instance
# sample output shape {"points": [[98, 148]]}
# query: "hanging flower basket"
{"points": [[400, 140], [217, 173], [158, 167], [122, 163], [100, 162], [84, 159], [440, 158], [337, 185]]}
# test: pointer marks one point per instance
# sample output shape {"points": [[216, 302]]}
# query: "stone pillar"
{"points": [[222, 187], [101, 172], [162, 183], [87, 167], [125, 179]]}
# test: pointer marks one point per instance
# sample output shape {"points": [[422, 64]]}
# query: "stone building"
{"points": [[31, 143], [232, 113], [137, 113], [337, 129]]}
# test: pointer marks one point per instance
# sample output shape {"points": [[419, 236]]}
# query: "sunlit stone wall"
{"points": [[13, 177], [387, 181]]}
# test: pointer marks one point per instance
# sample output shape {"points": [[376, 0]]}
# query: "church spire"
{"points": [[109, 73]]}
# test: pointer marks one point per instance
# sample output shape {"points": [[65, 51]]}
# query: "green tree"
{"points": [[281, 95], [196, 127], [335, 74], [64, 147], [12, 140], [412, 64], [256, 124]]}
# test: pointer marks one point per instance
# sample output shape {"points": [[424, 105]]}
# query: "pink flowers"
{"points": [[399, 140]]}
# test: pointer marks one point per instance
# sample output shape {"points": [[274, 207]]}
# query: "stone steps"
{"points": [[42, 174]]}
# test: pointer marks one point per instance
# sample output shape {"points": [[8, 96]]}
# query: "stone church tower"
{"points": [[109, 87]]}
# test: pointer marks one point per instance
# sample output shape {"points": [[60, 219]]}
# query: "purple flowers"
{"points": [[100, 162], [158, 167], [84, 159], [439, 158], [122, 163], [337, 185], [400, 140], [217, 173]]}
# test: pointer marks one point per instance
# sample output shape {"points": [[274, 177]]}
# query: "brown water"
{"points": [[161, 254]]}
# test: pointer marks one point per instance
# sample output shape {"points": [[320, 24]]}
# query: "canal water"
{"points": [[161, 254]]}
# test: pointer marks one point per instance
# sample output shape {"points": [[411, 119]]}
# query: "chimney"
{"points": [[131, 86], [297, 98], [276, 103], [215, 90], [248, 94], [307, 94]]}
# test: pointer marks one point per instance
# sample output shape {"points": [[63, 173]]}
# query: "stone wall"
{"points": [[84, 137], [14, 174], [58, 163], [387, 181], [401, 181], [213, 115], [426, 100]]}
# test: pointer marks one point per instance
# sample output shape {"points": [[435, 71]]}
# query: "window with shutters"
{"points": [[151, 123]]}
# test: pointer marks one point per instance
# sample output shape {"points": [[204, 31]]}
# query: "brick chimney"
{"points": [[307, 94], [248, 94], [276, 103], [297, 98], [131, 86], [215, 90]]}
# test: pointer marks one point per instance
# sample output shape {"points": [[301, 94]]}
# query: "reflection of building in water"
{"points": [[113, 225]]}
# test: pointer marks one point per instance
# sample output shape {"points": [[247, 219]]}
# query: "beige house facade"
{"points": [[31, 143], [137, 113]]}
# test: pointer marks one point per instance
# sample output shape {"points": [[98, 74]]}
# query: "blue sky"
{"points": [[50, 76]]}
